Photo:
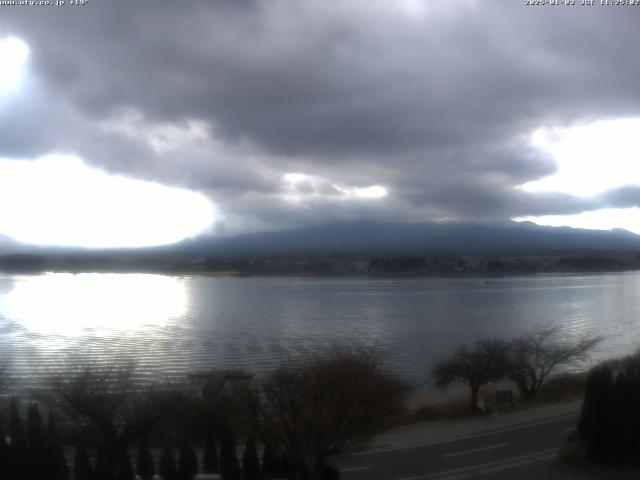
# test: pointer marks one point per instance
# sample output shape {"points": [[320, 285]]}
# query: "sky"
{"points": [[141, 123]]}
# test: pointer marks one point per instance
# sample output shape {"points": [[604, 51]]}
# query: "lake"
{"points": [[171, 325]]}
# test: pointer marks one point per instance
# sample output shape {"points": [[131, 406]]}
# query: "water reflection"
{"points": [[170, 325], [74, 304]]}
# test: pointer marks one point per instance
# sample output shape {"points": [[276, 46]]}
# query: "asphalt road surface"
{"points": [[474, 456]]}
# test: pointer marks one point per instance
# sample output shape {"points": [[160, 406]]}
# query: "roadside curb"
{"points": [[389, 448], [431, 433]]}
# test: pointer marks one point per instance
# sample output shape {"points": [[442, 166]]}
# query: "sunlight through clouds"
{"points": [[300, 186], [604, 219], [591, 158], [13, 57], [58, 200]]}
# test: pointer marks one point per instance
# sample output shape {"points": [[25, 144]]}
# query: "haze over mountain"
{"points": [[371, 238], [367, 237], [359, 248]]}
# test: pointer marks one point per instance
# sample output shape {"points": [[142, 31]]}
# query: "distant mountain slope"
{"points": [[371, 238], [8, 245], [419, 238]]}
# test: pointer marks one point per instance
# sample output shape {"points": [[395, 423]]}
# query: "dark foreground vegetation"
{"points": [[105, 423], [609, 422], [288, 422]]}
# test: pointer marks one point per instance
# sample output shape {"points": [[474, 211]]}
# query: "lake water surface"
{"points": [[171, 325]]}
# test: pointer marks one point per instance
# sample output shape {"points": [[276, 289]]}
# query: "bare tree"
{"points": [[483, 362], [323, 406], [112, 408], [535, 355]]}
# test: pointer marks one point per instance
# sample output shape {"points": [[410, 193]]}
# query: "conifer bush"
{"points": [[56, 462], [187, 462], [229, 465], [125, 472], [18, 446], [82, 468], [145, 466], [610, 416], [167, 467], [270, 463], [210, 458], [5, 459], [250, 461]]}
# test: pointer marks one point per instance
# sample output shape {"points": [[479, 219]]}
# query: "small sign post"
{"points": [[504, 396]]}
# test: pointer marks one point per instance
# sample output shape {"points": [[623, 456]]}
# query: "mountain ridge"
{"points": [[378, 238], [367, 237]]}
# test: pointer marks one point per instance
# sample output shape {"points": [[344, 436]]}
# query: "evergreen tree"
{"points": [[168, 470], [56, 462], [324, 471], [100, 471], [37, 454], [125, 472], [634, 421], [622, 435], [210, 458], [595, 419], [250, 461], [145, 466], [285, 467], [35, 431], [18, 446], [106, 466], [270, 463], [82, 469], [36, 444], [187, 462], [229, 466], [5, 459]]}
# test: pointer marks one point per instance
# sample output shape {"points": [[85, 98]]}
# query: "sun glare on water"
{"points": [[72, 305]]}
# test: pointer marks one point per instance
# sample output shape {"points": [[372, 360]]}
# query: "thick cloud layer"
{"points": [[434, 101]]}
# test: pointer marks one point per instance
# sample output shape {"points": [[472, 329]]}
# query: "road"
{"points": [[474, 456]]}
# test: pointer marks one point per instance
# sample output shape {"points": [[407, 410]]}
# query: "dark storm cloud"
{"points": [[622, 197], [434, 104]]}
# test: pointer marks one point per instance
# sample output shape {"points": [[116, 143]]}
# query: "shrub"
{"points": [[145, 466], [610, 416], [250, 461], [187, 462], [229, 466], [323, 406], [210, 458], [82, 469], [167, 467]]}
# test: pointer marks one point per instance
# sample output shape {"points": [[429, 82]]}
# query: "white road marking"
{"points": [[465, 452], [521, 463], [457, 477], [570, 429], [456, 439], [483, 465], [548, 456], [355, 469]]}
